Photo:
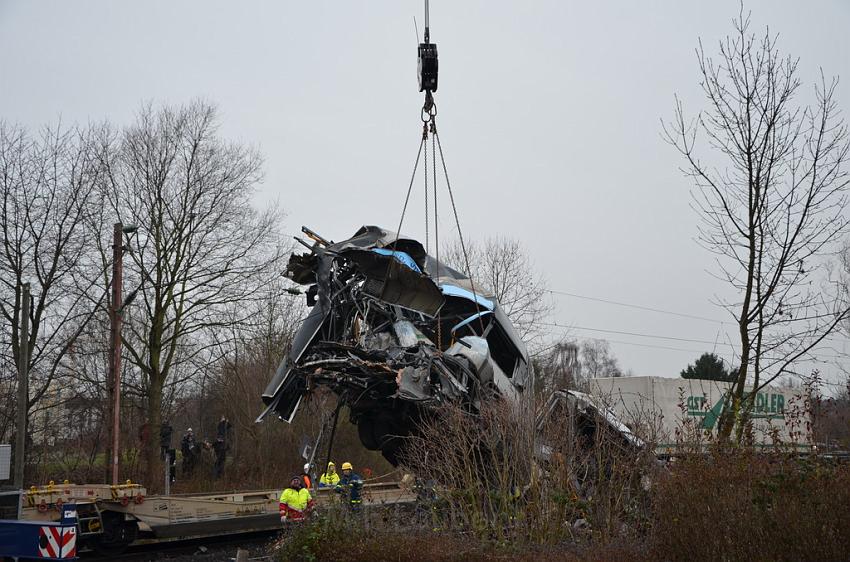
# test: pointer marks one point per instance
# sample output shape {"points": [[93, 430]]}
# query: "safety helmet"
{"points": [[189, 430], [331, 464], [347, 466]]}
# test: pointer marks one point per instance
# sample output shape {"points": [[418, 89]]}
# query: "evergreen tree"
{"points": [[709, 367]]}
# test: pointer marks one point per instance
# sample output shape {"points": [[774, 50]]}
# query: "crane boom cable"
{"points": [[427, 22]]}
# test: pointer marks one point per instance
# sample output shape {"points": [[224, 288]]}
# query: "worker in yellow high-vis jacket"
{"points": [[330, 478], [295, 501]]}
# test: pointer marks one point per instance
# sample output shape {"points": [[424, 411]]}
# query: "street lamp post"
{"points": [[115, 342], [115, 317]]}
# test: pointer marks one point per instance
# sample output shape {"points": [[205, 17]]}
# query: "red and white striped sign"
{"points": [[57, 542]]}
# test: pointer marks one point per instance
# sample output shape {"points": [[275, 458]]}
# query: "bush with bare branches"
{"points": [[489, 477]]}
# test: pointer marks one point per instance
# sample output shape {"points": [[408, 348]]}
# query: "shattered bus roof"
{"points": [[393, 332]]}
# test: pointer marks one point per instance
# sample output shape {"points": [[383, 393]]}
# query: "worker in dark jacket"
{"points": [[223, 428], [191, 452], [350, 486], [219, 447]]}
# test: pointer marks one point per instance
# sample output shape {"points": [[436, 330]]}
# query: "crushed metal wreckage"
{"points": [[592, 421], [579, 431], [394, 333]]}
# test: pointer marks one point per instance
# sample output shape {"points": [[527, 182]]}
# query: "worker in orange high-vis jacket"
{"points": [[295, 501], [305, 477]]}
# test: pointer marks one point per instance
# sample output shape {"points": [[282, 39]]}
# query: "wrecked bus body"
{"points": [[394, 334]]}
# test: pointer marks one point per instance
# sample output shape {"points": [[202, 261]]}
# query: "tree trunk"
{"points": [[731, 414], [730, 417], [153, 463]]}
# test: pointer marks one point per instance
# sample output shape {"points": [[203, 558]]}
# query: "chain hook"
{"points": [[429, 109]]}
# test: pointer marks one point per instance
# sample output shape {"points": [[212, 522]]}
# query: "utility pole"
{"points": [[115, 342], [23, 386]]}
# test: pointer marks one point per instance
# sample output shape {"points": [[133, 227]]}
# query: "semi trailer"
{"points": [[673, 412]]}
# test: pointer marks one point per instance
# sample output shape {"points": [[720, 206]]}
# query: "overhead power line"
{"points": [[661, 311], [553, 346], [814, 356], [624, 333], [638, 307], [653, 346]]}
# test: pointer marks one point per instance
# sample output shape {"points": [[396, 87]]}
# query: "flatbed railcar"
{"points": [[112, 517]]}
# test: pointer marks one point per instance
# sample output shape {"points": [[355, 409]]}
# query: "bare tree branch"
{"points": [[774, 209]]}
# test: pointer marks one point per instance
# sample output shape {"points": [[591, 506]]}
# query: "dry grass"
{"points": [[728, 504], [345, 538], [741, 505]]}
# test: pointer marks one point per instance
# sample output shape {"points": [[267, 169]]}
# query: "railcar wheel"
{"points": [[117, 535]]}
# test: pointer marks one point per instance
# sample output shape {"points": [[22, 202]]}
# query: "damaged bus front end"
{"points": [[394, 334]]}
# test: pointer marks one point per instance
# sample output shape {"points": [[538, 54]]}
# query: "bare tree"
{"points": [[8, 378], [47, 195], [502, 267], [569, 364], [86, 396], [831, 419], [557, 367], [201, 252], [597, 360], [772, 196]]}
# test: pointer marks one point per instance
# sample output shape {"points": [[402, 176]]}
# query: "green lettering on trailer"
{"points": [[765, 406], [713, 414]]}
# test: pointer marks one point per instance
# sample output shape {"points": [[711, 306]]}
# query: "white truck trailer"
{"points": [[671, 411]]}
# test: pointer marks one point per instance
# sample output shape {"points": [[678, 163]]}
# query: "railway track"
{"points": [[220, 548]]}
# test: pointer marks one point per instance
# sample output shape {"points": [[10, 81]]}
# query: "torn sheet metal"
{"points": [[394, 333], [580, 412]]}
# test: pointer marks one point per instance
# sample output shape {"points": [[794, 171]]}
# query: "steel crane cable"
{"points": [[404, 211], [436, 135], [436, 224], [409, 189], [425, 168]]}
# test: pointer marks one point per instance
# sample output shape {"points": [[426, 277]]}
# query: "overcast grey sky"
{"points": [[548, 111]]}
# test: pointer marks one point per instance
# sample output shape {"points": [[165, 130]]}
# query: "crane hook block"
{"points": [[427, 67]]}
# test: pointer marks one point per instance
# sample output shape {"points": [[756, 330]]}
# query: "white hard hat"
{"points": [[190, 429]]}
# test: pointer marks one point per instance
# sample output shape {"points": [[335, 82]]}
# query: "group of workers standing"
{"points": [[192, 451], [296, 501]]}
